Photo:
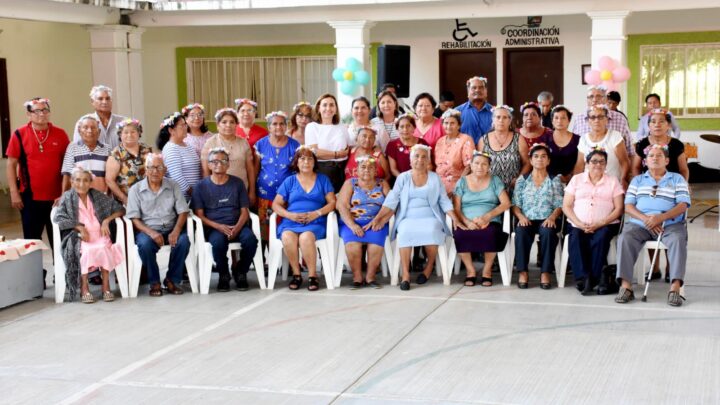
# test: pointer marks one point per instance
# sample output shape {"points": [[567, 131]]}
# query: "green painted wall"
{"points": [[633, 51]]}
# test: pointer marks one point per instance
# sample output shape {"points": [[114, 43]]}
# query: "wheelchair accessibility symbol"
{"points": [[461, 31]]}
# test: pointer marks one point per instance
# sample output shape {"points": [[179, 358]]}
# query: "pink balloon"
{"points": [[621, 74], [610, 85], [592, 77], [607, 63]]}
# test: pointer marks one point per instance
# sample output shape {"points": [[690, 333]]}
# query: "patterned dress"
{"points": [[364, 206], [274, 169], [505, 163], [132, 168]]}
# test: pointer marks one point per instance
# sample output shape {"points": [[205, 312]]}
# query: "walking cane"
{"points": [[652, 264]]}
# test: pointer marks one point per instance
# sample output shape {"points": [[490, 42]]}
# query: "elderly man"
{"points": [[101, 100], [581, 125], [88, 153], [221, 202], [158, 211], [652, 102], [35, 154], [656, 201], [476, 113], [545, 100]]}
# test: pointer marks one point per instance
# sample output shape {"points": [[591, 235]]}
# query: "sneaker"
{"points": [[241, 283], [675, 299], [223, 284], [624, 296]]}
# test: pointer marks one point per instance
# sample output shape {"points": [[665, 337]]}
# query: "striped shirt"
{"points": [[655, 197], [77, 153], [183, 165]]}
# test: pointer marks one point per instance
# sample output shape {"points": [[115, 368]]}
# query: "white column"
{"points": [[608, 35], [352, 39], [117, 63]]}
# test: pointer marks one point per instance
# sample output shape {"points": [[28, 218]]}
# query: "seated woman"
{"points": [[303, 201], [420, 203], [84, 216], [359, 201], [366, 147], [452, 151], [480, 199], [537, 204], [656, 201], [592, 204]]}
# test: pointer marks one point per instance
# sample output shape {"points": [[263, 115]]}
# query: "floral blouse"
{"points": [[537, 203], [132, 168]]}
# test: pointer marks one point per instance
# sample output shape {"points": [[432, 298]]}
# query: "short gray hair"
{"points": [[215, 151], [150, 156], [87, 117], [77, 170], [420, 147], [100, 88], [545, 95]]}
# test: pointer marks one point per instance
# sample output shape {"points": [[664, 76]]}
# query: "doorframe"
{"points": [[4, 106], [506, 76], [441, 69]]}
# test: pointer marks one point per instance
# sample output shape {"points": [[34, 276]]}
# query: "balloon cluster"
{"points": [[351, 77], [609, 73]]}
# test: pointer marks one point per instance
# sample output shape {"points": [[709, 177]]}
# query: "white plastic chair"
{"points": [[205, 256], [503, 256], [650, 245], [342, 260], [135, 263], [120, 271], [558, 251], [441, 261], [561, 271], [327, 248]]}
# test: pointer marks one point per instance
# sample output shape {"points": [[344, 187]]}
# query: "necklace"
{"points": [[222, 142], [502, 143], [38, 138]]}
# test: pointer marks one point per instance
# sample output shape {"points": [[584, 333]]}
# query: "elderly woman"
{"points": [[300, 117], [656, 201], [360, 110], [600, 137], [275, 153], [303, 202], [592, 204], [398, 150], [453, 151], [126, 164], [84, 217], [197, 130], [366, 147], [420, 203], [660, 127], [88, 153], [241, 161], [479, 200], [387, 112], [329, 140], [247, 128], [359, 201], [537, 205], [428, 128], [182, 161], [508, 155], [532, 129], [564, 145]]}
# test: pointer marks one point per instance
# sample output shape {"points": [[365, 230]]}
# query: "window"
{"points": [[685, 76], [276, 83]]}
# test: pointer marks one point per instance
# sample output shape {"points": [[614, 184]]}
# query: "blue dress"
{"points": [[420, 227], [364, 206], [274, 165], [299, 201]]}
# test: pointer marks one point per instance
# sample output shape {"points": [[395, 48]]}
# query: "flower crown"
{"points": [[78, 168], [529, 104], [365, 158], [241, 101], [503, 107], [274, 114], [598, 148], [662, 146], [479, 153], [600, 87], [539, 145], [451, 112], [419, 146], [171, 119], [128, 121], [658, 111], [223, 111], [599, 107], [301, 104], [559, 106], [185, 110], [30, 103], [305, 147], [470, 80], [367, 128]]}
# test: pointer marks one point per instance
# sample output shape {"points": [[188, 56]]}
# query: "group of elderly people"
{"points": [[470, 165]]}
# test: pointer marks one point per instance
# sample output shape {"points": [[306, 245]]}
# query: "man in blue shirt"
{"points": [[656, 201], [476, 113], [221, 202], [652, 102]]}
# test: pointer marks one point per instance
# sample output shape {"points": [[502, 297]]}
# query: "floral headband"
{"points": [[529, 104], [186, 110], [451, 112], [301, 104], [560, 106], [222, 111], [479, 153], [274, 114], [78, 168], [366, 128], [418, 147], [128, 121], [301, 147], [241, 101], [408, 114], [30, 103], [365, 158], [599, 107], [661, 146], [539, 145], [472, 79], [503, 107], [600, 87], [658, 111], [171, 119]]}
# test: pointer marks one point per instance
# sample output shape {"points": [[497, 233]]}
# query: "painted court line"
{"points": [[226, 388], [112, 378]]}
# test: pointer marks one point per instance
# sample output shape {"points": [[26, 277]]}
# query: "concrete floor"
{"points": [[433, 344]]}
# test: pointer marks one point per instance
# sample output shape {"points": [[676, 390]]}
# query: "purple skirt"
{"points": [[490, 239]]}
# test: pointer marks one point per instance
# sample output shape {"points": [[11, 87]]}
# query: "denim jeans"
{"points": [[524, 237], [220, 243], [588, 251], [148, 254]]}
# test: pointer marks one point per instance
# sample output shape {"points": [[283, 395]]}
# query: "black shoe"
{"points": [[241, 283], [421, 278], [45, 282], [580, 284], [223, 284], [655, 276], [405, 285], [667, 276], [589, 286]]}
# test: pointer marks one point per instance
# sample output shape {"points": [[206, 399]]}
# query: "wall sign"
{"points": [[531, 34], [462, 36]]}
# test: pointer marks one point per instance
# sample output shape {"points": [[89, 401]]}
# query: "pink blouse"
{"points": [[432, 135], [593, 201], [451, 158]]}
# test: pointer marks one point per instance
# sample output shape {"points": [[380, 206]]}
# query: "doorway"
{"points": [[4, 107], [528, 71], [456, 66]]}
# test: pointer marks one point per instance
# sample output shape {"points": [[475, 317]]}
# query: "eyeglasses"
{"points": [[196, 116], [653, 193], [597, 162], [154, 168], [595, 97], [219, 162], [301, 115], [41, 111], [596, 117]]}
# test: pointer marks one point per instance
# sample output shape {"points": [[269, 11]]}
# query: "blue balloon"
{"points": [[337, 74], [348, 87], [353, 64], [362, 77]]}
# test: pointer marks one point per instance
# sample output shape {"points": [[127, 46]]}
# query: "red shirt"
{"points": [[44, 167], [401, 153], [351, 167], [256, 133]]}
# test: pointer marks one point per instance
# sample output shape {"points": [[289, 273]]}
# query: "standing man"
{"points": [[101, 100], [476, 113], [221, 202], [545, 101], [652, 102], [35, 155], [581, 125], [447, 100]]}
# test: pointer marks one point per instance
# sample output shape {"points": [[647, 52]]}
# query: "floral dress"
{"points": [[132, 168], [364, 206]]}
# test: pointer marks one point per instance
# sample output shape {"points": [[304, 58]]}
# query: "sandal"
{"points": [[625, 295], [156, 290], [108, 296], [486, 281], [356, 285], [87, 298], [313, 284], [675, 299], [296, 282], [470, 281]]}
